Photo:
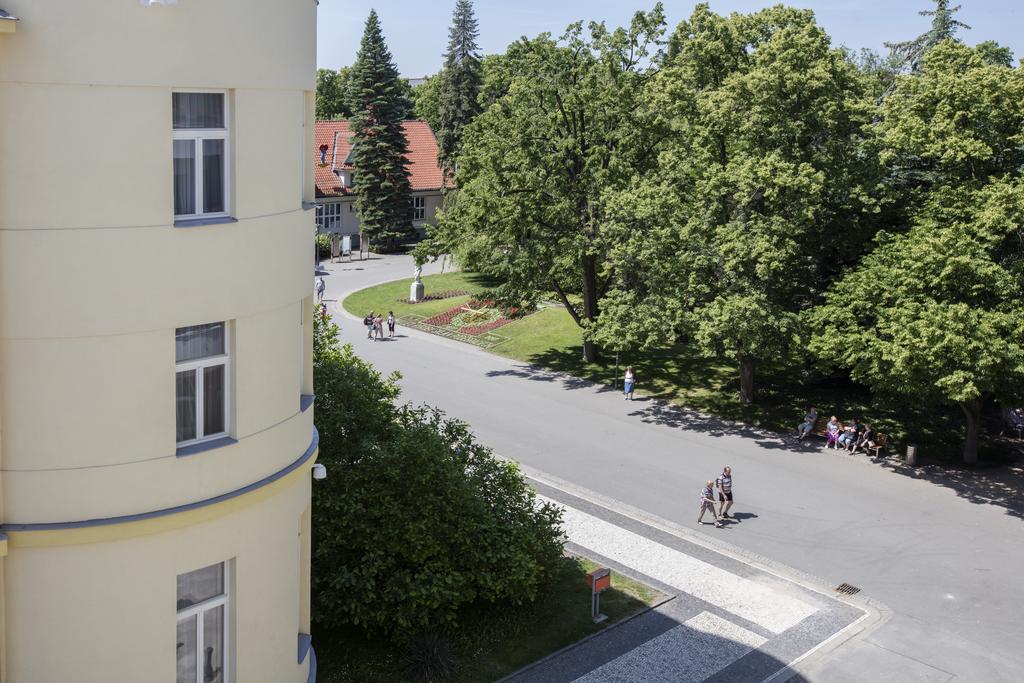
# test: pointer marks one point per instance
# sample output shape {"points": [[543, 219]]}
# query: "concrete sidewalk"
{"points": [[732, 619]]}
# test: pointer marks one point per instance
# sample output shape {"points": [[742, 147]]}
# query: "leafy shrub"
{"points": [[416, 519], [323, 246]]}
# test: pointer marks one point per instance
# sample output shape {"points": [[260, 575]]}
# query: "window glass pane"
{"points": [[213, 176], [186, 650], [186, 405], [213, 400], [198, 341], [213, 645], [184, 177], [198, 110], [202, 584]]}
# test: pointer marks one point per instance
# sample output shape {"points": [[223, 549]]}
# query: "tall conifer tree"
{"points": [[460, 84], [380, 156], [910, 54]]}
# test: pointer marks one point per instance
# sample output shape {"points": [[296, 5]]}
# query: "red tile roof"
{"points": [[424, 172]]}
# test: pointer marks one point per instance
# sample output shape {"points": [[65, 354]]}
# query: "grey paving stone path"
{"points": [[729, 620]]}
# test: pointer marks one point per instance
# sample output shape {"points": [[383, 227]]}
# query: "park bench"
{"points": [[881, 441]]}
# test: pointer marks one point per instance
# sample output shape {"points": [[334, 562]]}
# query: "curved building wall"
{"points": [[101, 505]]}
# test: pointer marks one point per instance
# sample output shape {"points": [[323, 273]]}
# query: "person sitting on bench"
{"points": [[832, 430], [848, 439], [867, 439], [807, 426]]}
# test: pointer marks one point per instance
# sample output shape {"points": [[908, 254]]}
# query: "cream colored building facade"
{"points": [[156, 428]]}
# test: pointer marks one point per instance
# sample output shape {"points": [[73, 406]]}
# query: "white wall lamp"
{"points": [[319, 472], [148, 3]]}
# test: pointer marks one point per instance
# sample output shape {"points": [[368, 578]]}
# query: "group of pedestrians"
{"points": [[374, 323], [707, 498]]}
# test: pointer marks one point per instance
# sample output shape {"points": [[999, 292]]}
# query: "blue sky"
{"points": [[417, 30]]}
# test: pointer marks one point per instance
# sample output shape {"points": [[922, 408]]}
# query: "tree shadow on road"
{"points": [[538, 374]]}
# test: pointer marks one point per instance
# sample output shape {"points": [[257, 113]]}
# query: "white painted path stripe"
{"points": [[743, 597], [692, 651]]}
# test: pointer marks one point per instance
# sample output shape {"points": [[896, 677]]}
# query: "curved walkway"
{"points": [[947, 567]]}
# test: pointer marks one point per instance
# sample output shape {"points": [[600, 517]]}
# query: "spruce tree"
{"points": [[910, 54], [460, 84], [378, 101]]}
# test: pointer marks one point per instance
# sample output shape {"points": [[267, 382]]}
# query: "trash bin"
{"points": [[912, 454]]}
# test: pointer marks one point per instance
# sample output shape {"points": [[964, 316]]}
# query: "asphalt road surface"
{"points": [[949, 571]]}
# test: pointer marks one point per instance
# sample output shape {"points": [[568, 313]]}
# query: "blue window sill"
{"points": [[196, 222], [305, 645], [305, 401], [205, 446]]}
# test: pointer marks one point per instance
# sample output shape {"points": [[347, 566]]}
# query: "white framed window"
{"points": [[200, 132], [201, 382], [202, 635], [418, 208], [328, 216]]}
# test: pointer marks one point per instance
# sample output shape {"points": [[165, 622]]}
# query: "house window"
{"points": [[418, 208], [328, 217], [200, 154], [202, 625], [201, 382]]}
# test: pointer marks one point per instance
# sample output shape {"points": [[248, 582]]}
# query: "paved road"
{"points": [[950, 570]]}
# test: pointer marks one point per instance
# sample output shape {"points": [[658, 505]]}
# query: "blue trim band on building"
{"points": [[305, 401], [311, 678], [305, 643], [55, 526]]}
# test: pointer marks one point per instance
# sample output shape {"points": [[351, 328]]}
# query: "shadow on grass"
{"points": [[489, 641]]}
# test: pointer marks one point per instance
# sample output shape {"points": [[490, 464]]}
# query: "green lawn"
{"points": [[394, 296], [492, 641], [677, 374]]}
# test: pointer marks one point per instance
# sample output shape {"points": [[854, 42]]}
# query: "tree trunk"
{"points": [[972, 411], [747, 389], [589, 267]]}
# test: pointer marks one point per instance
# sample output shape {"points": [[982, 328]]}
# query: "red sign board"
{"points": [[600, 579]]}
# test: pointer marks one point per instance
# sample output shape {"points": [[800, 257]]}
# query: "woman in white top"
{"points": [[630, 380]]}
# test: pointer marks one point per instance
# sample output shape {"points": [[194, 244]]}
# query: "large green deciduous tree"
{"points": [[461, 80], [427, 100], [566, 123], [936, 314], [332, 98], [761, 194], [379, 104]]}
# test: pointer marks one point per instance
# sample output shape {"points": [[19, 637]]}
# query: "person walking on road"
{"points": [[707, 502], [320, 287], [724, 483], [378, 328], [629, 381], [391, 324], [368, 322]]}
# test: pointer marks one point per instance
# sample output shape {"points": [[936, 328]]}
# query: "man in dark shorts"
{"points": [[724, 483]]}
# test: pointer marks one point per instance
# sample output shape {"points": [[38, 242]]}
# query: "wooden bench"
{"points": [[881, 441]]}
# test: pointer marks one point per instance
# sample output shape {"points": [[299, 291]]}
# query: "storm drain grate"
{"points": [[847, 589]]}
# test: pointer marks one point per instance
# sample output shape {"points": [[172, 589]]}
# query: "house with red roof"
{"points": [[335, 199]]}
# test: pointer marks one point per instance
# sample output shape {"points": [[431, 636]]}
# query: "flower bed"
{"points": [[474, 318]]}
